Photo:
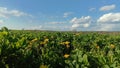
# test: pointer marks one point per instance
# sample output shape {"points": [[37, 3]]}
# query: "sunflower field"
{"points": [[53, 49]]}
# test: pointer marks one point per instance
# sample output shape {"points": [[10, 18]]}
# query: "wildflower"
{"points": [[112, 46], [67, 42], [97, 47], [34, 39], [43, 66], [52, 37], [30, 43], [67, 46], [42, 43], [77, 34], [62, 43], [66, 55], [46, 40]]}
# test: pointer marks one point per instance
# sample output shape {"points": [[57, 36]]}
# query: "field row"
{"points": [[34, 49]]}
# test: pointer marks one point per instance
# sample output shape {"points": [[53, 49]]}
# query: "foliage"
{"points": [[4, 29], [41, 49]]}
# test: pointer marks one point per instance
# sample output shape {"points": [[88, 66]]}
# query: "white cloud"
{"points": [[81, 22], [4, 12], [109, 18], [54, 23], [74, 20], [36, 27], [106, 27], [75, 25], [107, 7], [86, 25], [17, 13], [108, 22], [54, 27], [92, 9], [1, 21], [66, 14]]}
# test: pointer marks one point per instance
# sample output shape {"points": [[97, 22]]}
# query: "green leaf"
{"points": [[85, 59], [0, 50], [106, 66]]}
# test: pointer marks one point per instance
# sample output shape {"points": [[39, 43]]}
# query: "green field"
{"points": [[52, 49]]}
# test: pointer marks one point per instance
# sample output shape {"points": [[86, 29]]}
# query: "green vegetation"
{"points": [[40, 49]]}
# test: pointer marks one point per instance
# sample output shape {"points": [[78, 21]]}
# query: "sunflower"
{"points": [[46, 40], [97, 47], [66, 55], [67, 42], [112, 46]]}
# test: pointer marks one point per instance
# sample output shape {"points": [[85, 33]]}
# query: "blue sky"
{"points": [[61, 15]]}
